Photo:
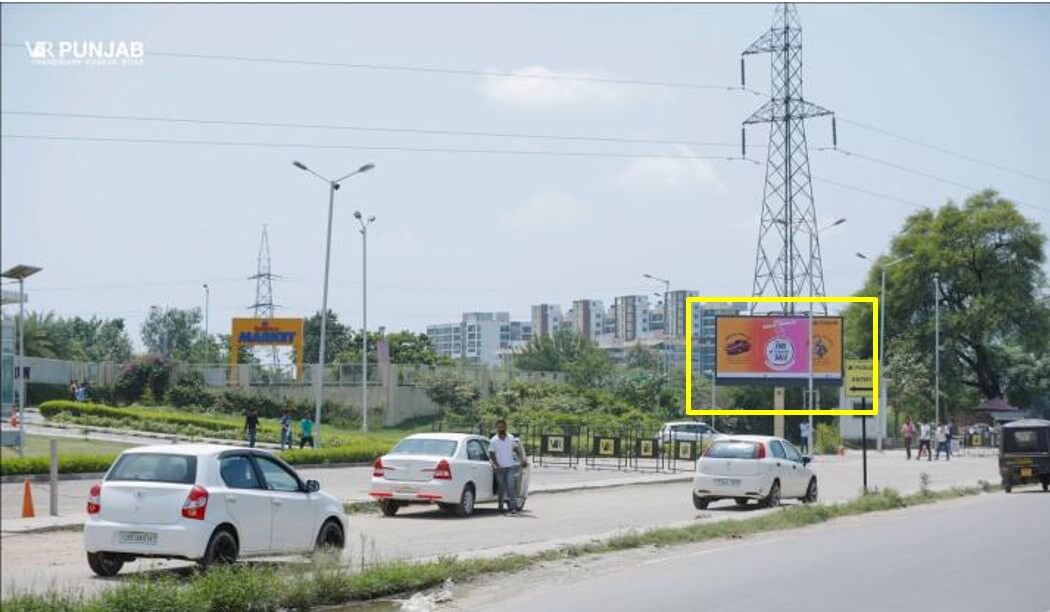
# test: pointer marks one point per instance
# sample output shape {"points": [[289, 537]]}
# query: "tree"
{"points": [[43, 336], [405, 348], [990, 260], [172, 332], [337, 338], [566, 351], [451, 391]]}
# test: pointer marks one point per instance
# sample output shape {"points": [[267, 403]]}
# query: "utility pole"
{"points": [[937, 347]]}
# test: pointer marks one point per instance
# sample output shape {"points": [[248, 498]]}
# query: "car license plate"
{"points": [[727, 482], [148, 538], [1026, 471], [405, 489]]}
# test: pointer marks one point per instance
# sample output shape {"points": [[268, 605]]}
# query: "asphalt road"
{"points": [[34, 561], [986, 553]]}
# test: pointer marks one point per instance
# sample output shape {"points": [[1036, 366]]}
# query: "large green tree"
{"points": [[993, 313], [566, 351], [76, 339], [337, 337], [172, 332], [405, 348]]}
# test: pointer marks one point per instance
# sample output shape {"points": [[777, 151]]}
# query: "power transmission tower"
{"points": [[263, 306], [787, 262]]}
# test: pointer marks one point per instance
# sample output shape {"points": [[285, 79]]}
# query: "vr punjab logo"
{"points": [[86, 52], [780, 354]]}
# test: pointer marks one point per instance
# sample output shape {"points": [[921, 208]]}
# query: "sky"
{"points": [[121, 226]]}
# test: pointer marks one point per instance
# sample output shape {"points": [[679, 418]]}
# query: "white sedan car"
{"points": [[206, 503], [449, 469], [763, 468]]}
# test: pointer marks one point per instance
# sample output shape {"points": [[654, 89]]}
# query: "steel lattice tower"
{"points": [[787, 262], [263, 306]]}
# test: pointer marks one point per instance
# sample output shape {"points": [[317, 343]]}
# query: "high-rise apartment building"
{"points": [[588, 317], [632, 317], [546, 319]]}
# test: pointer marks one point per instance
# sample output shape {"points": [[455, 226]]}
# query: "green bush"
{"points": [[151, 372], [67, 464], [828, 439], [189, 390]]}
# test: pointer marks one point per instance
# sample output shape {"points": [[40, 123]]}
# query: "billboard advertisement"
{"points": [[267, 332], [774, 348]]}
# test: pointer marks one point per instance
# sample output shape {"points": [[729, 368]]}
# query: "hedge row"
{"points": [[54, 407], [80, 464]]}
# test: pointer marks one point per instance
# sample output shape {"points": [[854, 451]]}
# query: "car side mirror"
{"points": [[312, 486], [806, 460]]}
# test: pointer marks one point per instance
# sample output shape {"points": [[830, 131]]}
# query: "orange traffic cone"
{"points": [[27, 501]]}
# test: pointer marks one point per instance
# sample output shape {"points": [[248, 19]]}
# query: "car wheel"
{"points": [[699, 502], [466, 502], [389, 507], [222, 549], [740, 501], [105, 564], [773, 499], [811, 492], [331, 536]]}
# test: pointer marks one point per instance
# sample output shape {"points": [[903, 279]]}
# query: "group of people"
{"points": [[942, 433], [79, 391], [306, 429]]}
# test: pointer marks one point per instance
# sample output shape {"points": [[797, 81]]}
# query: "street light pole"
{"points": [[364, 315], [937, 347], [809, 341], [333, 185], [207, 307]]}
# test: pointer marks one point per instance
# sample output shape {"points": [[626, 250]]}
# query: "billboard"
{"points": [[773, 348], [267, 332]]}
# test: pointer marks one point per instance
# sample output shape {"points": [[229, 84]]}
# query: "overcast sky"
{"points": [[121, 226]]}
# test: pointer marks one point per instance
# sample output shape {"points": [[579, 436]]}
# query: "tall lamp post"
{"points": [[333, 185], [207, 307], [364, 223], [667, 289], [813, 236], [21, 273], [882, 335]]}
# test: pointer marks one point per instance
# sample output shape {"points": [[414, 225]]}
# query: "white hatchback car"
{"points": [[763, 468], [206, 503], [449, 469]]}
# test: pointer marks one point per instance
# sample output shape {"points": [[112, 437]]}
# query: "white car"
{"points": [[449, 469], [762, 468], [689, 431], [207, 503]]}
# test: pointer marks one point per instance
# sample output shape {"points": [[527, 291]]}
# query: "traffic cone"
{"points": [[27, 501]]}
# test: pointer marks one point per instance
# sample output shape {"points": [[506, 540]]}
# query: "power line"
{"points": [[920, 173], [285, 145], [944, 150], [361, 128]]}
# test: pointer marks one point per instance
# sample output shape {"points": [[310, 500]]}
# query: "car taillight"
{"points": [[760, 452], [377, 468], [94, 502], [443, 471], [196, 503]]}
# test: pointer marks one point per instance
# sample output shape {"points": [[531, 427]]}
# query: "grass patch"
{"points": [[38, 446], [324, 582]]}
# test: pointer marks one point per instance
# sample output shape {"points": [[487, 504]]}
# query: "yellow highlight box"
{"points": [[689, 410]]}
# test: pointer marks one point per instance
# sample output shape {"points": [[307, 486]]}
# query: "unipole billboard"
{"points": [[773, 348], [267, 332]]}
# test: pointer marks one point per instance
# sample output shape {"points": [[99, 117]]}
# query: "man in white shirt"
{"points": [[803, 430], [507, 457], [924, 441]]}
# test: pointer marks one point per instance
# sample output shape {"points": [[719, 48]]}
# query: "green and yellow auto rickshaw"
{"points": [[1024, 453]]}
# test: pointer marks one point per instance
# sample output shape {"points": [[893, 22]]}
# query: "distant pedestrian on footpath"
{"points": [[306, 431], [73, 388], [907, 432], [949, 433], [806, 434], [924, 441], [942, 437], [286, 428], [251, 426]]}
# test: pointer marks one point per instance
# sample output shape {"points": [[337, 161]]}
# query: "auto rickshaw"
{"points": [[1024, 453]]}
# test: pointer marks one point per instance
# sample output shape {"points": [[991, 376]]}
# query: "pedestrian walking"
{"points": [[306, 431], [907, 432], [81, 394], [507, 458], [286, 428], [942, 436], [251, 425], [73, 390], [806, 434], [949, 434], [924, 441]]}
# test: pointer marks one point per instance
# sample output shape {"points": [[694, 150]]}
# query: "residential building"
{"points": [[447, 339], [479, 337], [588, 317], [674, 325], [546, 319], [632, 317]]}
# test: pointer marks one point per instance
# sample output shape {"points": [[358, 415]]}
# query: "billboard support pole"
{"points": [[864, 443], [778, 419]]}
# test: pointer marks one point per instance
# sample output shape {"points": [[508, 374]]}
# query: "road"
{"points": [[33, 561], [990, 552]]}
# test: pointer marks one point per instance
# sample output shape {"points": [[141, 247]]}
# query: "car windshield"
{"points": [[1025, 440], [425, 446], [733, 450], [155, 467]]}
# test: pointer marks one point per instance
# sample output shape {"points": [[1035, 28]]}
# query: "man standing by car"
{"points": [[507, 457], [251, 425]]}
